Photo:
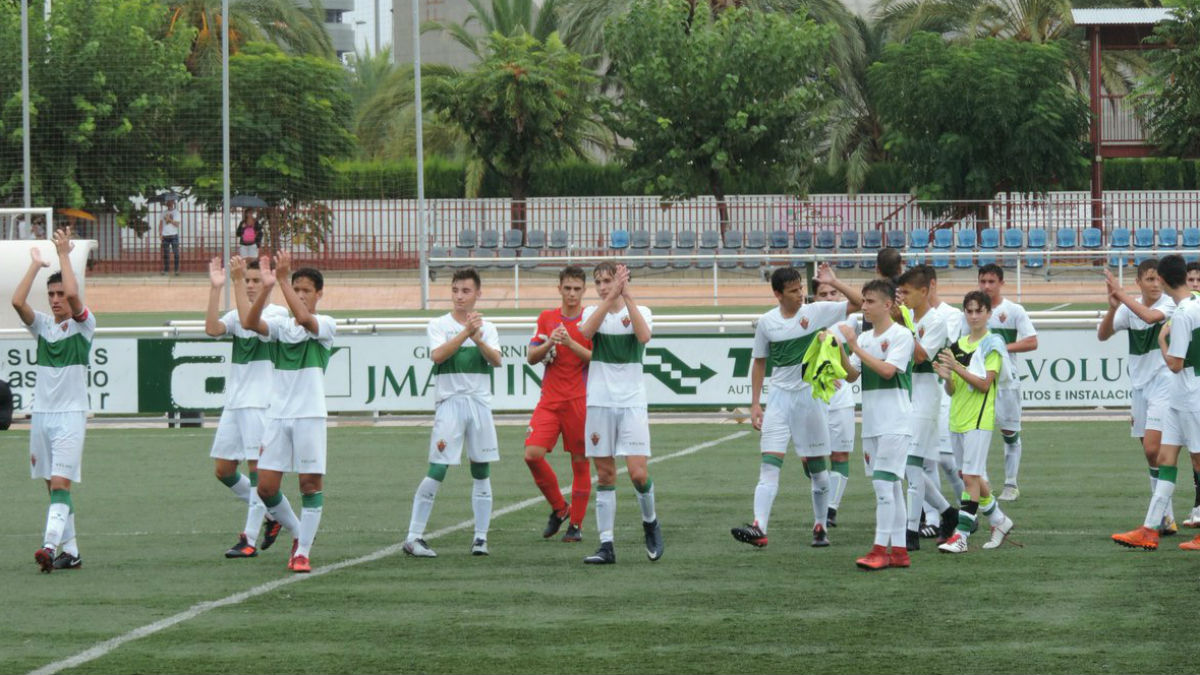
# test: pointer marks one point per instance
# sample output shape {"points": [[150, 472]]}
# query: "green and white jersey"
{"points": [[1145, 358], [970, 408], [1011, 322], [783, 341], [926, 385], [615, 373], [956, 324], [1185, 344], [466, 372], [63, 354], [886, 403], [300, 361], [248, 384], [844, 396]]}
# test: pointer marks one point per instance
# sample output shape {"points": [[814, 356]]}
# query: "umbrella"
{"points": [[247, 202], [164, 197], [75, 213]]}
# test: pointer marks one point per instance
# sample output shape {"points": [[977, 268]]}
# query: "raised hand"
{"points": [[237, 267], [283, 266], [35, 254], [1111, 282], [825, 274], [475, 322], [216, 273], [62, 241], [848, 335], [560, 335]]}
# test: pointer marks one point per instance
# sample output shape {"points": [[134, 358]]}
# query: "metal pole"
{"points": [[422, 224], [27, 169], [225, 220], [377, 27]]}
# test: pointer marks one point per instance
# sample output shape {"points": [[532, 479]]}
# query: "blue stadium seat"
{"points": [[1035, 259], [618, 240], [825, 240], [918, 239], [1014, 240], [664, 239], [1092, 238], [756, 242], [685, 247], [780, 241], [1064, 239], [939, 259], [872, 240], [467, 239], [1191, 244], [1036, 239], [1119, 239], [847, 243], [1143, 237], [963, 255], [989, 243], [489, 239], [1168, 237], [802, 240], [559, 240], [966, 239], [732, 239], [535, 239], [639, 244], [895, 239], [661, 259], [710, 240], [943, 239], [529, 257]]}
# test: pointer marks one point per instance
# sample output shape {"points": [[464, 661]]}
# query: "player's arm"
{"points": [[590, 327], [981, 384], [444, 350], [63, 246], [1175, 344], [850, 341], [853, 295], [488, 342], [1143, 312], [880, 367], [758, 372], [212, 320], [944, 371], [538, 350], [283, 272], [1107, 327], [249, 313], [20, 298]]}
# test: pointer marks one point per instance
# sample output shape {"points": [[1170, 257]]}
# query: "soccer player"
{"points": [[1193, 276], [841, 424], [930, 330], [295, 439], [782, 337], [882, 357], [947, 461], [562, 408], [1149, 378], [1181, 426], [974, 369], [618, 424], [247, 395], [1012, 323], [60, 397], [889, 264], [464, 349]]}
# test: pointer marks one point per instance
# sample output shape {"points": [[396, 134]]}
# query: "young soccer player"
{"points": [[782, 337], [295, 440], [562, 408], [464, 349], [1012, 323], [60, 397], [1149, 378], [930, 330], [841, 424], [948, 463], [247, 395], [1193, 276], [974, 368], [618, 424], [1181, 426], [882, 357]]}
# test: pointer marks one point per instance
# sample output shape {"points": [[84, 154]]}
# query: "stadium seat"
{"points": [[1143, 239], [989, 243], [529, 257], [943, 239], [1035, 260], [710, 240], [939, 260], [489, 239], [661, 259], [895, 239], [438, 252], [1168, 237], [535, 239], [848, 243], [826, 240], [1191, 243], [686, 240], [664, 239], [964, 253], [918, 239], [559, 240], [467, 239], [756, 242], [685, 246], [872, 240], [514, 240], [779, 240], [1119, 239], [724, 262], [802, 240], [1064, 239], [1036, 245], [1014, 239], [1092, 238], [639, 244], [618, 240]]}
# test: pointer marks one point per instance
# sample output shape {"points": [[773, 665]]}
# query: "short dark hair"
{"points": [[882, 287], [312, 274], [467, 273], [888, 263], [604, 266], [930, 271], [1193, 266], [572, 272], [783, 276], [1145, 266], [991, 268], [979, 297], [1173, 269], [55, 278], [253, 265], [915, 277]]}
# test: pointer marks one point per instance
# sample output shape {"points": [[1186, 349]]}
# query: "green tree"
{"points": [[506, 17], [295, 29], [704, 98], [103, 92], [1168, 98], [288, 123], [985, 116], [527, 103]]}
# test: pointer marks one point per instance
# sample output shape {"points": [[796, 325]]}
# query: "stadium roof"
{"points": [[1120, 16]]}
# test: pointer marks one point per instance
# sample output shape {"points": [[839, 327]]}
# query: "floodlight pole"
{"points": [[27, 170], [422, 225], [225, 220]]}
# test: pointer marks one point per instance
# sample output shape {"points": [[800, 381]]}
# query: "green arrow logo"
{"points": [[672, 371]]}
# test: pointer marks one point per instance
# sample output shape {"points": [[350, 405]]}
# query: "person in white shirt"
{"points": [[60, 399], [464, 349], [169, 233], [295, 438], [947, 461]]}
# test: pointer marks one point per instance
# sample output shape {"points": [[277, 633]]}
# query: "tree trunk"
{"points": [[518, 191], [718, 192]]}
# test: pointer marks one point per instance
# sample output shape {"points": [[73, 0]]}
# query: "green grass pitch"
{"points": [[154, 524]]}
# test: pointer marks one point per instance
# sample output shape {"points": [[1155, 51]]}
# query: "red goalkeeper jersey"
{"points": [[566, 377]]}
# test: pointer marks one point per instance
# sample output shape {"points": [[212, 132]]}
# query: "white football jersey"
{"points": [[615, 372]]}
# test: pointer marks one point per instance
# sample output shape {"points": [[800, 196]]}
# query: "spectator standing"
{"points": [[249, 234], [169, 232]]}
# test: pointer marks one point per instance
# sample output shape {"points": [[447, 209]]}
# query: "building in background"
{"points": [[338, 24], [436, 46]]}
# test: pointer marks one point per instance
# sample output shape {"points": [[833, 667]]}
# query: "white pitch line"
{"points": [[1058, 307], [103, 648]]}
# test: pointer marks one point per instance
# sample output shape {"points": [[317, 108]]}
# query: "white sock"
{"points": [[950, 471], [994, 513], [69, 545], [285, 515], [56, 523], [885, 510], [934, 499], [310, 520], [606, 512], [1012, 462], [646, 502], [1159, 504], [242, 489], [481, 504], [837, 488], [899, 516], [820, 497], [422, 507], [254, 518], [915, 475], [764, 494]]}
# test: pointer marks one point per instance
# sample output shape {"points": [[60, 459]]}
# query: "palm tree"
{"points": [[855, 131], [506, 17], [297, 30]]}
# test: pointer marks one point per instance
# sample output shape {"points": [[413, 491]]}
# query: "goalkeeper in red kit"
{"points": [[562, 409]]}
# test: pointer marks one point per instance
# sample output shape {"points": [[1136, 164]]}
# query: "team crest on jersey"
{"points": [[595, 438], [626, 321], [804, 322], [441, 446], [529, 429], [1003, 317], [884, 345], [921, 331], [33, 460], [63, 326]]}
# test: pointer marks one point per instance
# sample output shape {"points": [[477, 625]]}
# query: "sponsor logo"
{"points": [[441, 446], [595, 438], [678, 375]]}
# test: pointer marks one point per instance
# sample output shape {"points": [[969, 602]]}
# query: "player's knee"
{"points": [[1011, 437], [534, 454], [59, 483], [310, 483]]}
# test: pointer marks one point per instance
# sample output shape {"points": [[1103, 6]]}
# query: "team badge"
{"points": [[63, 326], [626, 321], [921, 331], [529, 429], [33, 460], [804, 322], [1002, 317], [441, 446], [884, 345], [595, 438]]}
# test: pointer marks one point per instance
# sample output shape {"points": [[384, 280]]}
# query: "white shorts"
{"points": [[841, 429], [888, 452], [463, 420], [973, 445], [797, 417], [1149, 407], [240, 434], [294, 445], [944, 446], [56, 445], [924, 438], [617, 432], [1008, 409], [1182, 428]]}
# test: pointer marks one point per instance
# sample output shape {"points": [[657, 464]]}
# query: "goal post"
{"points": [[14, 261]]}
